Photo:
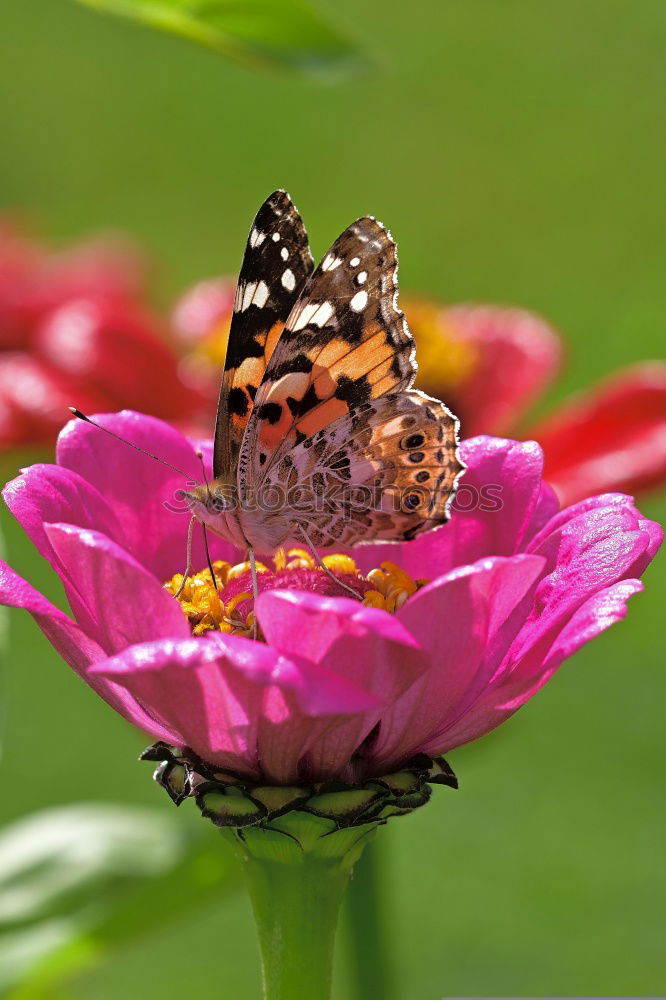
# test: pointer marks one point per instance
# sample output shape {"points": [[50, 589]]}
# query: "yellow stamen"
{"points": [[340, 564], [300, 559], [238, 599], [202, 602], [280, 559], [244, 567]]}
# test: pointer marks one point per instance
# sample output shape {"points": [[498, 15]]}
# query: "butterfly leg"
{"points": [[322, 565], [255, 591], [188, 568], [208, 559]]}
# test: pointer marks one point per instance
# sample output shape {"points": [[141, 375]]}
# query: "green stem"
{"points": [[297, 871], [296, 907]]}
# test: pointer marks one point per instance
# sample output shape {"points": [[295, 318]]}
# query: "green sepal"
{"points": [[175, 778], [401, 783], [405, 803], [159, 751], [228, 806], [441, 773], [231, 801], [280, 798], [345, 806], [295, 834]]}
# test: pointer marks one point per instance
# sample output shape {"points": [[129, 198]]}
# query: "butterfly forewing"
{"points": [[276, 264], [344, 344]]}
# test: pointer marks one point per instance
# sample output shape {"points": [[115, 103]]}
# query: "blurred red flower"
{"points": [[490, 364], [73, 330]]}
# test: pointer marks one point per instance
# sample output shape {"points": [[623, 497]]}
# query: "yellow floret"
{"points": [[201, 601]]}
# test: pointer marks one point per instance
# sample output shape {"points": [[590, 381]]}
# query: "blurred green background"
{"points": [[517, 150]]}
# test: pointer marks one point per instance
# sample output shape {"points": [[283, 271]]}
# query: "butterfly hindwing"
{"points": [[276, 264], [386, 471], [344, 344]]}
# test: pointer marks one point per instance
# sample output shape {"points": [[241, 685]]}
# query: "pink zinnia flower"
{"points": [[337, 687]]}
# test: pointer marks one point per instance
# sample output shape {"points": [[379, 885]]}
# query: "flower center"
{"points": [[229, 606]]}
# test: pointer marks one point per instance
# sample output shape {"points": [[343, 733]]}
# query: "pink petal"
{"points": [[113, 597], [332, 631], [510, 691], [221, 694], [144, 494], [71, 642], [585, 554], [76, 648], [466, 622], [545, 509], [338, 634], [591, 550], [611, 515], [493, 511], [48, 493]]}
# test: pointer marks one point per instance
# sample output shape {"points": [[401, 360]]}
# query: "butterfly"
{"points": [[319, 435]]}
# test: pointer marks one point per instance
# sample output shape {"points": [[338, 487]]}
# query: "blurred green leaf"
{"points": [[79, 881], [287, 34]]}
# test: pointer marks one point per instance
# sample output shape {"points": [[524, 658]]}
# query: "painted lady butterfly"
{"points": [[319, 435]]}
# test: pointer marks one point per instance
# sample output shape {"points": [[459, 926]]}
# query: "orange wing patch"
{"points": [[345, 343], [239, 385]]}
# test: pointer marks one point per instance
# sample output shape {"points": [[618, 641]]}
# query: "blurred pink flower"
{"points": [[490, 364], [336, 688], [73, 331]]}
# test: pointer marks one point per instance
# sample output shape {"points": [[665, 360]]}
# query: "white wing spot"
{"points": [[315, 313], [355, 261], [260, 297], [284, 253], [248, 292], [361, 277], [323, 314], [359, 302], [330, 262], [256, 238], [305, 314], [288, 280], [276, 237]]}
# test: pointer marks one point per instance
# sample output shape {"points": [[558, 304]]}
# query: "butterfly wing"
{"points": [[276, 264], [386, 471], [345, 343]]}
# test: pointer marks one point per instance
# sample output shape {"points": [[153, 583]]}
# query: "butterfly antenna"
{"points": [[156, 458]]}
